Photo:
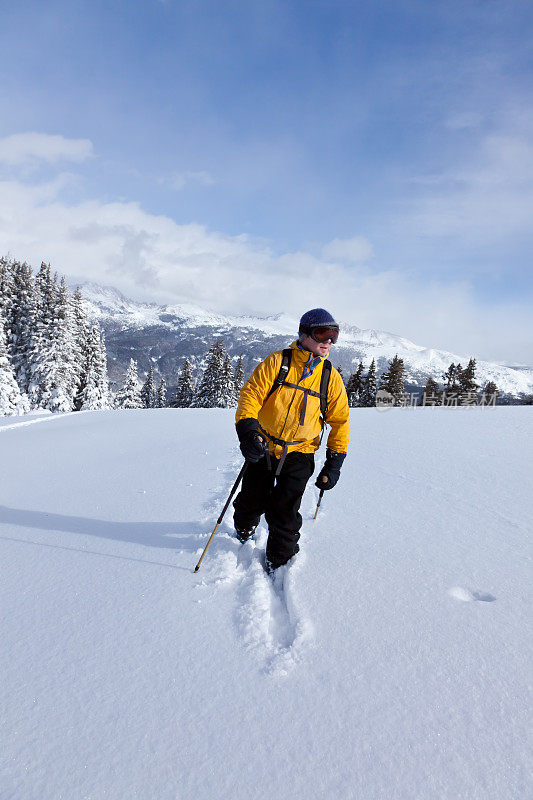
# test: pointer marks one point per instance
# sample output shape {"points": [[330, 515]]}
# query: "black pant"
{"points": [[279, 502]]}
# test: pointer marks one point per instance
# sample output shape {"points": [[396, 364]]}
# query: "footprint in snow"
{"points": [[267, 615], [466, 596]]}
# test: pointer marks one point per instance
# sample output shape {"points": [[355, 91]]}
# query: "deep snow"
{"points": [[392, 659]]}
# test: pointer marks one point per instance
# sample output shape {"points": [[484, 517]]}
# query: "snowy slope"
{"points": [[162, 335], [392, 660]]}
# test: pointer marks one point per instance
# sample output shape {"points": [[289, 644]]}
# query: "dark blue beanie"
{"points": [[317, 316]]}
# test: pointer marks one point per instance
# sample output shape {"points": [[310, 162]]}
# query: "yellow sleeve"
{"points": [[255, 390], [338, 415]]}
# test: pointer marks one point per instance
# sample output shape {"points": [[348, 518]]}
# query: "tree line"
{"points": [[459, 386], [51, 357], [219, 385]]}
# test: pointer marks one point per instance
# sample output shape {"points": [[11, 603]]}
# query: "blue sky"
{"points": [[383, 148]]}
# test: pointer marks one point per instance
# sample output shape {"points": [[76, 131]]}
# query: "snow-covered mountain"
{"points": [[161, 336]]}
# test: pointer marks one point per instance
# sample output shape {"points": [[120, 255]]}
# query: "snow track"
{"points": [[268, 617], [47, 418]]}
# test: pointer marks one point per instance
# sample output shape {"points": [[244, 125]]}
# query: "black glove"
{"points": [[331, 470], [253, 444]]}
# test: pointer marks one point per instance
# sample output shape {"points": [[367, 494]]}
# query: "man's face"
{"points": [[316, 348]]}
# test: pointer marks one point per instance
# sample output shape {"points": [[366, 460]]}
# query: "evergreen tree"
{"points": [[102, 377], [392, 380], [64, 336], [161, 396], [490, 394], [130, 394], [95, 392], [451, 377], [11, 399], [22, 322], [354, 386], [80, 335], [47, 339], [341, 373], [212, 392], [47, 286], [467, 377], [148, 395], [53, 379], [6, 299], [367, 397], [227, 399], [238, 380], [40, 332], [431, 394], [185, 390]]}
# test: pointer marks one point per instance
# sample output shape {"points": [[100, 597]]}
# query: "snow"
{"points": [[391, 659], [36, 415]]}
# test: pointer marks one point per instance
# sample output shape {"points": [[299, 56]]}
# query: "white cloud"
{"points": [[487, 199], [151, 257], [355, 250], [31, 148], [463, 120], [178, 180]]}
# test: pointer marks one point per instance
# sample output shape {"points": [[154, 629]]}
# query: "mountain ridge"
{"points": [[161, 336]]}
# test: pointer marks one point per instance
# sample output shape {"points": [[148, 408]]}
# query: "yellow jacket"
{"points": [[279, 416]]}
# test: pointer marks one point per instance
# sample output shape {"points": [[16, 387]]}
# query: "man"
{"points": [[279, 426]]}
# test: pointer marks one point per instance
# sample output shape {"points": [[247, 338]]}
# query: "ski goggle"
{"points": [[323, 334]]}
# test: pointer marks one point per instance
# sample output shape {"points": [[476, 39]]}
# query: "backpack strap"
{"points": [[324, 387], [283, 371], [324, 382]]}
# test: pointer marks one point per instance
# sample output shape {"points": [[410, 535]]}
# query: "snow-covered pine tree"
{"points": [[367, 397], [47, 286], [53, 376], [6, 298], [227, 399], [103, 380], [184, 393], [81, 333], [40, 335], [148, 395], [211, 392], [24, 313], [130, 394], [392, 380], [95, 392], [67, 346], [47, 337], [11, 399], [431, 394], [238, 380], [354, 386], [161, 394]]}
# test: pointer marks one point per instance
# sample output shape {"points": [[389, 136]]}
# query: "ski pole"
{"points": [[221, 517], [320, 496]]}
